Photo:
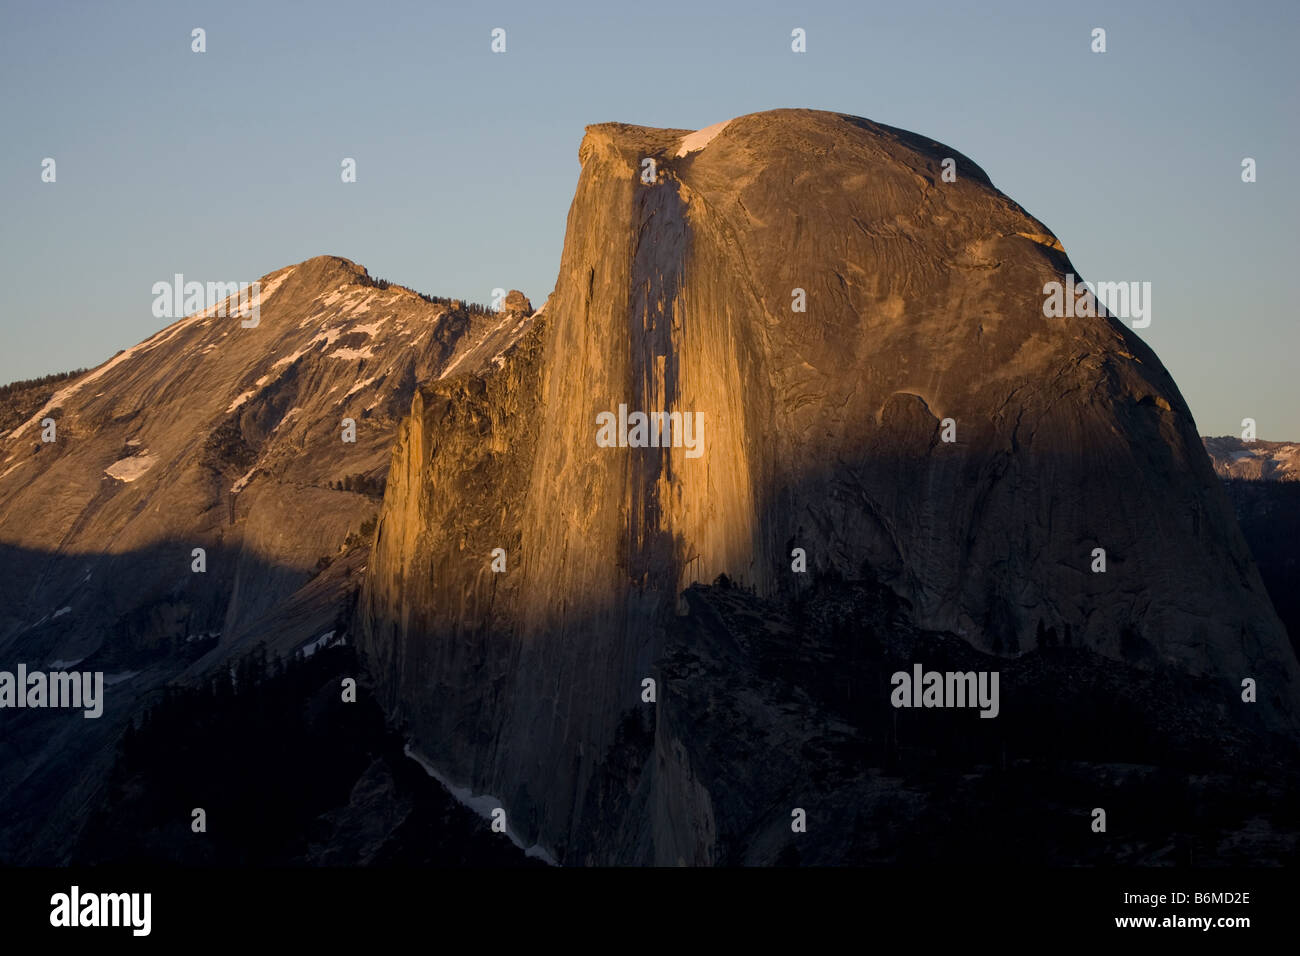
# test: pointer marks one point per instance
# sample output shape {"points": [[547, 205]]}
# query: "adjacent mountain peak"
{"points": [[219, 419], [213, 487]]}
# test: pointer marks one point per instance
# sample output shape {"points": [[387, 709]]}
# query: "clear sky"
{"points": [[226, 165]]}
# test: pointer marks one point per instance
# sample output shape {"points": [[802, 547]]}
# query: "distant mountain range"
{"points": [[1255, 460]]}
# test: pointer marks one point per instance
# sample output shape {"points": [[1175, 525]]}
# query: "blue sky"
{"points": [[225, 165]]}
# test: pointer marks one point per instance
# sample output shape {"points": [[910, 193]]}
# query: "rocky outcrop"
{"points": [[517, 303], [833, 310]]}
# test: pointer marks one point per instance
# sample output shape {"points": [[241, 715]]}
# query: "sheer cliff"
{"points": [[865, 350]]}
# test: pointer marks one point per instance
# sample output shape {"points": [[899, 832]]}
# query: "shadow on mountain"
{"points": [[772, 704], [782, 706], [1269, 515], [1186, 774], [287, 772], [799, 684], [250, 730]]}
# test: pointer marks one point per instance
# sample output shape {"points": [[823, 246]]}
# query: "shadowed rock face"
{"points": [[822, 431]]}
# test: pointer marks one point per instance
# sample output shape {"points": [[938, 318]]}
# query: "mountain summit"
{"points": [[221, 437]]}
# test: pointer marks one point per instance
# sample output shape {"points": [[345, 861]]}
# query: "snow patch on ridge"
{"points": [[362, 303], [239, 401], [129, 469], [334, 296], [287, 415], [268, 289], [63, 394], [483, 804], [369, 329], [290, 359], [238, 486], [309, 649], [328, 336], [699, 139], [450, 368], [360, 385]]}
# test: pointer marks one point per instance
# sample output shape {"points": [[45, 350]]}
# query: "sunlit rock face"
{"points": [[866, 347]]}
